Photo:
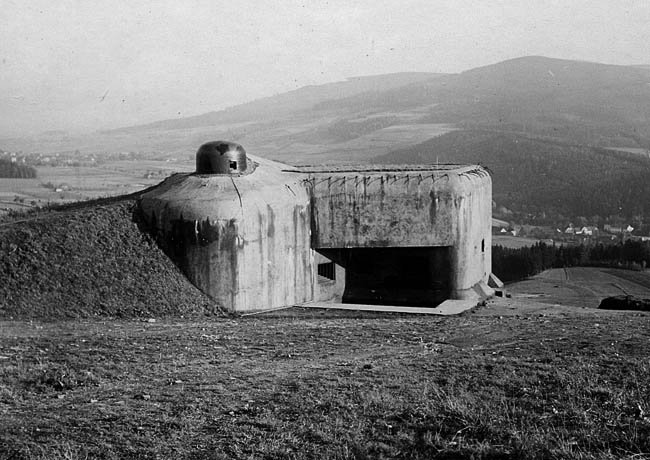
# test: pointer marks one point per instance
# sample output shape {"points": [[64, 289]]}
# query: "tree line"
{"points": [[511, 264], [12, 170]]}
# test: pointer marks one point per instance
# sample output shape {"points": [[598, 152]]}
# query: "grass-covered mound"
{"points": [[90, 260]]}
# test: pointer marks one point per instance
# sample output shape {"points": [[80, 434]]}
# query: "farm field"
{"points": [[514, 242], [582, 286], [85, 182], [287, 144]]}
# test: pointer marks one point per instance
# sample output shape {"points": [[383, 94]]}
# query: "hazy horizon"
{"points": [[77, 66]]}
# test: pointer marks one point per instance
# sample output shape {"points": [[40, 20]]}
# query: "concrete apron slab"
{"points": [[447, 308]]}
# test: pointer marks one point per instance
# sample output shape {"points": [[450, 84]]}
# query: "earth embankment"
{"points": [[90, 260]]}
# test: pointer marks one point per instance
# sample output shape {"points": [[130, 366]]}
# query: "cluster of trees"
{"points": [[12, 170], [511, 264]]}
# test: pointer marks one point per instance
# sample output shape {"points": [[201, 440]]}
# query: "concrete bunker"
{"points": [[257, 235]]}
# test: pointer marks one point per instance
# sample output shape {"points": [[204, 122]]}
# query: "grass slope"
{"points": [[89, 260], [327, 385]]}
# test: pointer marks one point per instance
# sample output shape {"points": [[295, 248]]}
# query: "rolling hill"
{"points": [[584, 102], [291, 103], [539, 176], [534, 121], [559, 100]]}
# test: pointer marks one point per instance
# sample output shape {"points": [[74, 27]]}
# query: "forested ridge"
{"points": [[541, 176]]}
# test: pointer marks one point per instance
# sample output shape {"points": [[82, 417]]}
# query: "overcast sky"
{"points": [[87, 65]]}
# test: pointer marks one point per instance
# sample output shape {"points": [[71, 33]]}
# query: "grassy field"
{"points": [[514, 242], [583, 286], [534, 377], [321, 384], [84, 182]]}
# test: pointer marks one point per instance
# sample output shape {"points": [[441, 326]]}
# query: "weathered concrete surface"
{"points": [[253, 241], [242, 239], [427, 206], [328, 289], [374, 208], [471, 254]]}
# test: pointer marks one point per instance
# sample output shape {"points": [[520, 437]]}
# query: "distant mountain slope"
{"points": [[541, 124], [291, 102], [538, 176], [561, 100], [585, 102], [579, 102]]}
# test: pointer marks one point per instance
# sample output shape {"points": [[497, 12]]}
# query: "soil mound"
{"points": [[90, 260]]}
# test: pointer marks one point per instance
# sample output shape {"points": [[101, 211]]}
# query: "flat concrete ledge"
{"points": [[447, 308]]}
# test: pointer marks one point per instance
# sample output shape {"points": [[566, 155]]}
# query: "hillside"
{"points": [[547, 121], [540, 176], [290, 103], [579, 102], [90, 260], [584, 102]]}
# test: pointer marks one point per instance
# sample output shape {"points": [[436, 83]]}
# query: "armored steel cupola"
{"points": [[221, 157]]}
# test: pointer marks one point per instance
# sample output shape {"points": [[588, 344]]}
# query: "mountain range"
{"points": [[589, 103], [532, 120]]}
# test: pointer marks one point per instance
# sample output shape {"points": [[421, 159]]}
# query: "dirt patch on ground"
{"points": [[90, 260]]}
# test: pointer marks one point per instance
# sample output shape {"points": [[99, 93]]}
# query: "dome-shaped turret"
{"points": [[221, 157]]}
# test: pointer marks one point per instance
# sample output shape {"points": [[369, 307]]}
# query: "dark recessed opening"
{"points": [[327, 270], [397, 276], [233, 165], [482, 245]]}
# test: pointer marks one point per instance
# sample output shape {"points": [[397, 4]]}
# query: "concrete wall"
{"points": [[446, 206], [329, 290], [381, 210], [471, 253], [253, 241], [242, 239]]}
